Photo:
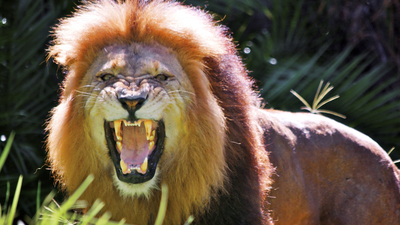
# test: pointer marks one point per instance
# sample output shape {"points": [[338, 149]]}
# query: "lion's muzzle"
{"points": [[135, 143], [132, 101]]}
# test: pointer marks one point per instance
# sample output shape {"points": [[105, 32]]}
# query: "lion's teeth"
{"points": [[151, 144], [143, 167], [117, 128], [135, 123], [124, 167], [127, 123], [148, 125], [119, 146]]}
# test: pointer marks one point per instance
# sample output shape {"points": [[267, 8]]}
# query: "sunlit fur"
{"points": [[219, 136]]}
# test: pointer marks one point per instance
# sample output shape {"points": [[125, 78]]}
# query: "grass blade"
{"points": [[97, 206], [163, 205], [189, 220], [15, 201], [38, 201], [73, 198], [6, 149]]}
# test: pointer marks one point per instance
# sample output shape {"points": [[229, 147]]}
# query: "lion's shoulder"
{"points": [[313, 141]]}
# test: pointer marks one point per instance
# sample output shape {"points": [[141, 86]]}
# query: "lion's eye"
{"points": [[161, 77], [106, 76]]}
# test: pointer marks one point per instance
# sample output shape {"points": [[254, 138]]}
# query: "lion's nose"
{"points": [[131, 102]]}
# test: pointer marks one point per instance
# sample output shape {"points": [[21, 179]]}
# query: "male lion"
{"points": [[156, 93]]}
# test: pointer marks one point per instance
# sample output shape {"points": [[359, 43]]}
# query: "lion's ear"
{"points": [[53, 55]]}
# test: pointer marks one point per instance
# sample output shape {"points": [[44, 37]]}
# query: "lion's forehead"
{"points": [[138, 59]]}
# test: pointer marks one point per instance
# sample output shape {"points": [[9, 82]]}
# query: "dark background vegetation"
{"points": [[286, 44]]}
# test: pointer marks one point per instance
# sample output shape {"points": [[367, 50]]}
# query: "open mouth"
{"points": [[135, 148]]}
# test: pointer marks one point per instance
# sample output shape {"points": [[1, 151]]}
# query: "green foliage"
{"points": [[7, 216], [25, 85], [6, 150], [50, 213], [28, 90]]}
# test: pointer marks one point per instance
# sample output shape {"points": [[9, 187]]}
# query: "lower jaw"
{"points": [[144, 189]]}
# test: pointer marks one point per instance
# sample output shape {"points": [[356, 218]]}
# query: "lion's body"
{"points": [[327, 173], [170, 68]]}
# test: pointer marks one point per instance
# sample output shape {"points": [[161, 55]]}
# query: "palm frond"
{"points": [[27, 92]]}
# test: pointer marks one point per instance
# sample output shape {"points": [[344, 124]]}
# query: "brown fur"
{"points": [[327, 173], [220, 170]]}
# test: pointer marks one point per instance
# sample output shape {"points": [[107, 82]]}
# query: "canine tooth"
{"points": [[153, 134], [119, 146], [117, 128], [148, 124], [151, 144], [124, 167], [143, 167]]}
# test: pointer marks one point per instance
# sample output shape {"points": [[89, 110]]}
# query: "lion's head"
{"points": [[136, 98], [150, 97]]}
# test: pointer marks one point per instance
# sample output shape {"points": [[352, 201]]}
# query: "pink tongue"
{"points": [[135, 147]]}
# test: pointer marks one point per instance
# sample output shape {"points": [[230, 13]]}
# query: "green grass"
{"points": [[52, 213]]}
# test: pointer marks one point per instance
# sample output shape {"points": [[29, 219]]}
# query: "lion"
{"points": [[155, 93]]}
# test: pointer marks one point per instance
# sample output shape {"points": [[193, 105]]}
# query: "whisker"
{"points": [[180, 91], [179, 98], [87, 86]]}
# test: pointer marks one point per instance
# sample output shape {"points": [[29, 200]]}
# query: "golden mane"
{"points": [[222, 142]]}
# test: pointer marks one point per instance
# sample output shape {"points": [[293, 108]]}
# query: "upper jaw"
{"points": [[136, 152]]}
